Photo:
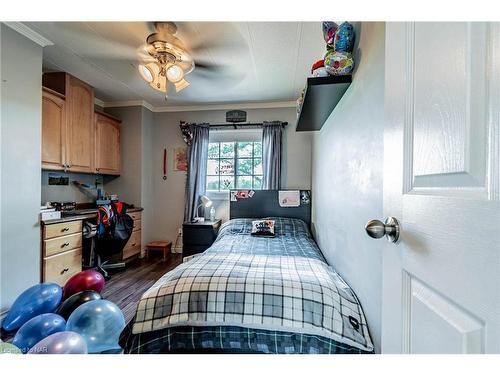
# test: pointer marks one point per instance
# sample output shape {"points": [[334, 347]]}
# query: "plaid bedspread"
{"points": [[268, 294]]}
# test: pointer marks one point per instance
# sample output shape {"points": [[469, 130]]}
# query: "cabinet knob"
{"points": [[65, 229], [64, 270], [65, 244]]}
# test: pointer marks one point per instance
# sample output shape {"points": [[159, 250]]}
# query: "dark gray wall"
{"points": [[348, 155], [21, 104]]}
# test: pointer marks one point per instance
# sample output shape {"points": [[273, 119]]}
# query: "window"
{"points": [[234, 165]]}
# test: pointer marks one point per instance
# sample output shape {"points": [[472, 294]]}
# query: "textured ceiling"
{"points": [[257, 62]]}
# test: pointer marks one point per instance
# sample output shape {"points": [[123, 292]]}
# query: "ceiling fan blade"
{"points": [[198, 64], [215, 46]]}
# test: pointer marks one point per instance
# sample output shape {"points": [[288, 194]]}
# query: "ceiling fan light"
{"points": [[181, 85], [159, 83], [175, 73], [146, 73]]}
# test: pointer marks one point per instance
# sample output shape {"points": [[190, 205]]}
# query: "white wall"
{"points": [[71, 192], [134, 185], [347, 181], [21, 105], [128, 185], [168, 196]]}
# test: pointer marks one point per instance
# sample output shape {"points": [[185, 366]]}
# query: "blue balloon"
{"points": [[39, 299], [100, 323], [37, 329], [344, 38]]}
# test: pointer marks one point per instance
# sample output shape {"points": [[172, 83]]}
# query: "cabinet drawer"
{"points": [[135, 215], [60, 244], [62, 229], [59, 268], [137, 225], [198, 236], [133, 246]]}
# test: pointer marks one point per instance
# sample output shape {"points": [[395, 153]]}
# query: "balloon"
{"points": [[339, 63], [329, 29], [61, 343], [344, 38], [100, 323], [85, 280], [39, 299], [6, 348], [36, 329], [69, 305]]}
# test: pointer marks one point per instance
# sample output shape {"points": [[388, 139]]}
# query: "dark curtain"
{"points": [[272, 139], [197, 169]]}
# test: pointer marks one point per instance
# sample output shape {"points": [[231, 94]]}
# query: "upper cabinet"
{"points": [[80, 129], [107, 150], [73, 137], [53, 130]]}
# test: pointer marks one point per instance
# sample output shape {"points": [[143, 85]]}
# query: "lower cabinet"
{"points": [[59, 268], [133, 246], [61, 251]]}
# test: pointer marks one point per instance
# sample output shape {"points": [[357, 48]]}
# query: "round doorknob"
{"points": [[378, 229]]}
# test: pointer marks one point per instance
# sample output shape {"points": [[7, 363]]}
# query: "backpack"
{"points": [[123, 224]]}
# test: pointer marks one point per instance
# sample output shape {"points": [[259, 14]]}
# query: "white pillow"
{"points": [[263, 228]]}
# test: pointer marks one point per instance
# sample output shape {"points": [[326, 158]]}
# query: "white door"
{"points": [[441, 283]]}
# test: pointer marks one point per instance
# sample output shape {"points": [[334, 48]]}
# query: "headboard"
{"points": [[265, 203]]}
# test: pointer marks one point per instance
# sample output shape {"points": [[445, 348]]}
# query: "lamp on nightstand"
{"points": [[205, 203]]}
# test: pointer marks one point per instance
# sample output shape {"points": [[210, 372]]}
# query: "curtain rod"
{"points": [[242, 125]]}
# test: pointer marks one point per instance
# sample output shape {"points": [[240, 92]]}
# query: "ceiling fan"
{"points": [[165, 60]]}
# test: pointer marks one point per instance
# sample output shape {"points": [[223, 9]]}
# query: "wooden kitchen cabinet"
{"points": [[80, 126], [133, 246], [61, 251], [107, 144], [74, 138], [77, 131], [53, 130]]}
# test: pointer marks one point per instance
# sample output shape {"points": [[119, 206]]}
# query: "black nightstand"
{"points": [[197, 237]]}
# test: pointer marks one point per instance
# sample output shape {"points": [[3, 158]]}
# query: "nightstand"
{"points": [[197, 237]]}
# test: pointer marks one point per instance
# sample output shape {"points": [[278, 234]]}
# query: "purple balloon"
{"points": [[39, 299], [61, 343], [36, 329]]}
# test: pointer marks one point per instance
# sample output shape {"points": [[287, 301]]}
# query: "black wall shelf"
{"points": [[321, 97]]}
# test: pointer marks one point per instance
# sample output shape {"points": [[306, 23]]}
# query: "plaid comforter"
{"points": [[265, 294]]}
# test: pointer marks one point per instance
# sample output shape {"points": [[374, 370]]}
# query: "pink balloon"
{"points": [[85, 280]]}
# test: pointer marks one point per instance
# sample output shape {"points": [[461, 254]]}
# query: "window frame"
{"points": [[236, 158]]}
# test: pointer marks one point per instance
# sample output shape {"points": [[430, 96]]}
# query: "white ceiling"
{"points": [[259, 62]]}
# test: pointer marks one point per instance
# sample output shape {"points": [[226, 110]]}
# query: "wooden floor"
{"points": [[126, 288]]}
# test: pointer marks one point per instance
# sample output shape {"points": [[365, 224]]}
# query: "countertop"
{"points": [[89, 215]]}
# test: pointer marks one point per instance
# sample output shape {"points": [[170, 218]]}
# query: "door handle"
{"points": [[389, 228]]}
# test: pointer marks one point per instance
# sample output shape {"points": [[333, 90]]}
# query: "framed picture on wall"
{"points": [[180, 159]]}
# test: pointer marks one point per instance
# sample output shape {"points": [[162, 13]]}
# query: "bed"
{"points": [[248, 294]]}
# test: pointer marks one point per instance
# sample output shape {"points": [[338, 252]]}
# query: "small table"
{"points": [[165, 246], [199, 236]]}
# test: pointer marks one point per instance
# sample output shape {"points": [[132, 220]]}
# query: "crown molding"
{"points": [[29, 33], [204, 107], [99, 102]]}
